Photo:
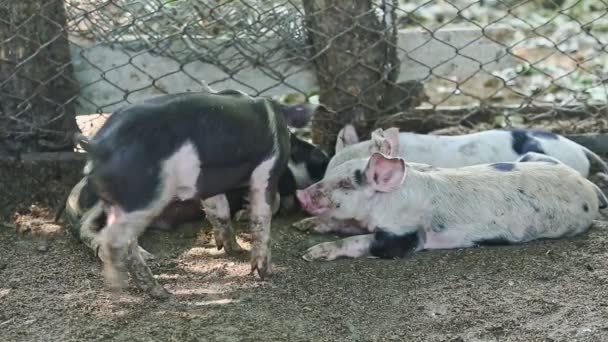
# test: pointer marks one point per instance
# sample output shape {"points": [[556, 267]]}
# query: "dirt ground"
{"points": [[51, 287]]}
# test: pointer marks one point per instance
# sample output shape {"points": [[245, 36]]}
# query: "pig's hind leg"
{"points": [[217, 211], [381, 244], [89, 232], [456, 237], [121, 251], [350, 247]]}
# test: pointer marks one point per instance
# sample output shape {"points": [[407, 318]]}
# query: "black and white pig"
{"points": [[491, 146], [307, 164], [182, 146], [407, 210]]}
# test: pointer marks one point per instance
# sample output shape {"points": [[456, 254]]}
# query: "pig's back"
{"points": [[545, 199], [215, 124], [457, 151], [441, 150], [484, 147]]}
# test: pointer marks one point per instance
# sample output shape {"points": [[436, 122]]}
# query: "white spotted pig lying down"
{"points": [[184, 146], [407, 210], [428, 151], [491, 146]]}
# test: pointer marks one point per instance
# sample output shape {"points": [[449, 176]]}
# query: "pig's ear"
{"points": [[346, 137], [298, 115], [385, 141], [385, 174]]}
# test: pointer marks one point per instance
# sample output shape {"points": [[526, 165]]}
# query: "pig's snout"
{"points": [[310, 204]]}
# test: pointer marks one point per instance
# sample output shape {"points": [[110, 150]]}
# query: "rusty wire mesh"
{"points": [[549, 54]]}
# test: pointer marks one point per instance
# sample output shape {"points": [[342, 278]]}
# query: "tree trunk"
{"points": [[356, 63], [37, 87]]}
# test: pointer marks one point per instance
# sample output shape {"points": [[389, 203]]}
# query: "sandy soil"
{"points": [[51, 290]]}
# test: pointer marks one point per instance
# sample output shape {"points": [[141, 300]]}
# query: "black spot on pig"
{"points": [[505, 167], [585, 207], [542, 133], [359, 177], [523, 143], [497, 241], [388, 245]]}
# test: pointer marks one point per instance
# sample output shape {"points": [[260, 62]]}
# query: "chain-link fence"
{"points": [[362, 59]]}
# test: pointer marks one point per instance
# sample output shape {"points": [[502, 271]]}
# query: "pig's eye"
{"points": [[346, 184]]}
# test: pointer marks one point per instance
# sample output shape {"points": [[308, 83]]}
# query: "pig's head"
{"points": [[307, 162], [296, 115], [347, 191]]}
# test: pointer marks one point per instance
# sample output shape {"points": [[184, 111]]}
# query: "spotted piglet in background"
{"points": [[183, 146], [407, 210], [425, 152]]}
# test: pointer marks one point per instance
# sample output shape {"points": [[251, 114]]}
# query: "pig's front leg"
{"points": [[217, 211], [324, 226], [350, 247], [262, 194]]}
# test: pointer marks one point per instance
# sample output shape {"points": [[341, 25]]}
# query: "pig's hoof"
{"points": [[115, 280], [233, 248], [241, 215], [306, 225], [322, 251], [230, 246], [260, 262]]}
